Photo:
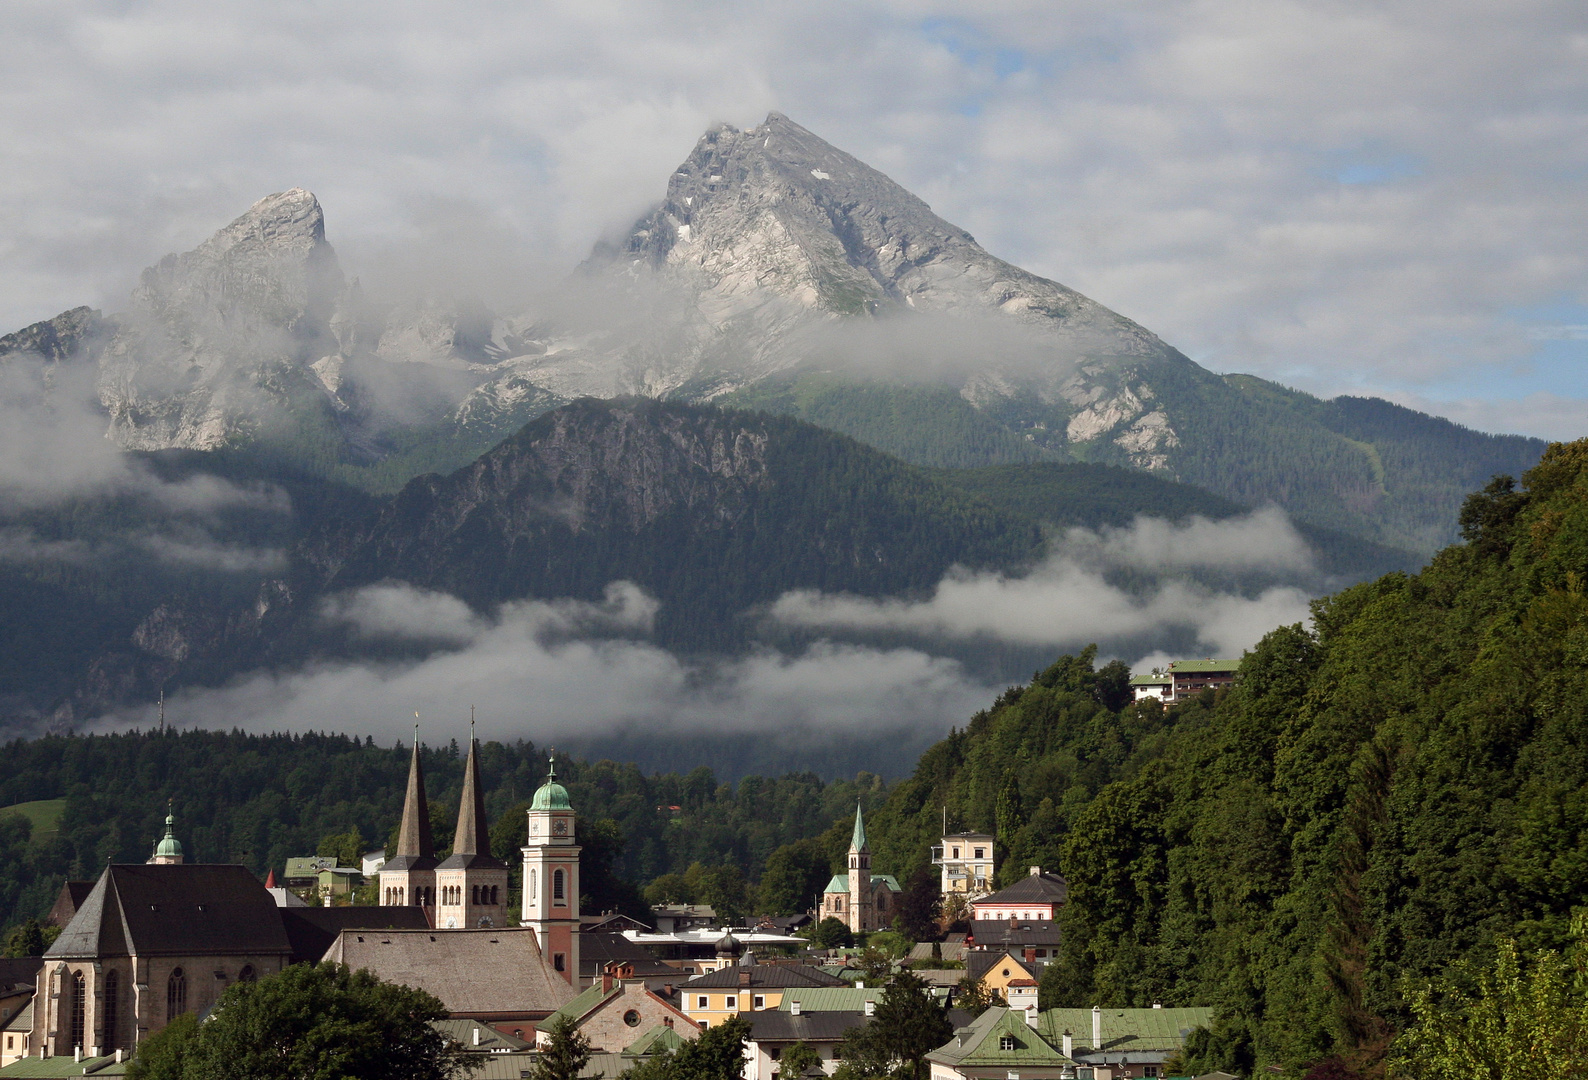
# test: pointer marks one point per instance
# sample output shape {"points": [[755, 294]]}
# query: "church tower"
{"points": [[409, 877], [471, 885], [861, 916], [551, 877], [168, 852]]}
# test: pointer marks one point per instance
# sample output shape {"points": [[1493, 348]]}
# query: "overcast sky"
{"points": [[1380, 198]]}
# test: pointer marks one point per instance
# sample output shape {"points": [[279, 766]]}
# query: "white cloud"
{"points": [[527, 677], [1346, 194], [1067, 601]]}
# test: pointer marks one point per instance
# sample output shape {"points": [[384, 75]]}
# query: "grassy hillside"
{"points": [[43, 817], [1395, 790]]}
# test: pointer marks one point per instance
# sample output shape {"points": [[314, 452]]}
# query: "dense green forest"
{"points": [[259, 799], [1400, 787]]}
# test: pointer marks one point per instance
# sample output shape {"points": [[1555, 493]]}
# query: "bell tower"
{"points": [[471, 884], [551, 877], [861, 915], [409, 877]]}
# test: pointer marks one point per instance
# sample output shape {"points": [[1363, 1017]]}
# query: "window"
{"points": [[558, 961], [1149, 1070], [956, 853], [558, 891], [79, 1007], [248, 974], [882, 901], [979, 852], [838, 903], [631, 1018], [11, 1041], [1006, 973], [175, 995], [1006, 1042], [775, 1053], [532, 893], [494, 900], [758, 1002], [731, 1003], [108, 1018]]}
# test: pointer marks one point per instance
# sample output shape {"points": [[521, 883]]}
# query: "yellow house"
{"points": [[997, 970], [710, 999]]}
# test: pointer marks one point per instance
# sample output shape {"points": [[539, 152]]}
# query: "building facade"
{"points": [[551, 877], [1037, 896], [857, 898], [471, 884], [967, 862]]}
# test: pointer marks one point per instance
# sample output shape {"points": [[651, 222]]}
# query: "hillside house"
{"points": [[1035, 896]]}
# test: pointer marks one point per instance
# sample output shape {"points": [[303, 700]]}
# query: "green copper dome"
{"points": [[552, 795], [168, 847]]}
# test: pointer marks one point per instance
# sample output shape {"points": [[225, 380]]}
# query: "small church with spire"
{"points": [[858, 898]]}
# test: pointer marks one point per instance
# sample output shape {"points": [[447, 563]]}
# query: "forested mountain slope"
{"points": [[1379, 796]]}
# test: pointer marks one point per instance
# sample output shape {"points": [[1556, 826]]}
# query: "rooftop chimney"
{"points": [[871, 1008], [1069, 1043], [1097, 1027], [1036, 871], [794, 1007], [77, 1053], [1157, 1004], [1032, 1016], [476, 1034]]}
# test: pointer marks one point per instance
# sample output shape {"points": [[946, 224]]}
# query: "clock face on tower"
{"points": [[559, 827]]}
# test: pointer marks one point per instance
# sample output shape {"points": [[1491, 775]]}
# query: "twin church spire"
{"points": [[415, 838]]}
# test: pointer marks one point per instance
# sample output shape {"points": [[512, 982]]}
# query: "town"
{"points": [[147, 944]]}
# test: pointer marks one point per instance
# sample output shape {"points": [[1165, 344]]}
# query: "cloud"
{"points": [[1346, 195], [1068, 600], [528, 676]]}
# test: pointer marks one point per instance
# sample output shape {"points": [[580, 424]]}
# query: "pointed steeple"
{"points": [[270, 879], [857, 842], [413, 838], [474, 835]]}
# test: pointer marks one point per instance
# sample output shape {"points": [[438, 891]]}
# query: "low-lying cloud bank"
{"points": [[1068, 600], [576, 669], [535, 669]]}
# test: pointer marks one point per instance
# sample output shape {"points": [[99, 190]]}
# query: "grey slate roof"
{"points": [[475, 973], [1031, 889], [471, 845], [181, 910], [416, 849], [764, 975], [998, 934], [22, 971], [312, 930], [774, 1025]]}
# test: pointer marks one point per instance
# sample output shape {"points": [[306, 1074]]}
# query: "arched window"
{"points": [[475, 892], [248, 974], [533, 895], [79, 1007], [494, 900], [175, 995], [108, 1040], [838, 903], [557, 890]]}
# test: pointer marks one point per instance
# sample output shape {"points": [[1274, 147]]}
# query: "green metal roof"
{"points": [[840, 883], [836, 998], [168, 846], [857, 841], [1151, 680], [581, 1004], [979, 1046], [1125, 1030], [551, 795], [1192, 667], [660, 1039]]}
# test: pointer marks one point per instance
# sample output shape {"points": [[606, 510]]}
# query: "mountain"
{"points": [[777, 273], [1392, 792]]}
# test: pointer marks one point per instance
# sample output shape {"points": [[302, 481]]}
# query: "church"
{"points": [[859, 899], [469, 889]]}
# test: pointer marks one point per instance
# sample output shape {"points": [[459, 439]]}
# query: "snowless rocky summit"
{"points": [[772, 252]]}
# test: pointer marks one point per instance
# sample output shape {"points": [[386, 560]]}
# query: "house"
{"points": [[599, 952], [612, 1012], [610, 922], [370, 862], [858, 899], [967, 862], [746, 987], [16, 1035], [1034, 942], [672, 918], [477, 1037], [1116, 1043], [1035, 896], [308, 874], [996, 970], [1191, 677], [18, 981], [1021, 994], [1001, 1044], [951, 950], [771, 1033], [497, 975], [1157, 686]]}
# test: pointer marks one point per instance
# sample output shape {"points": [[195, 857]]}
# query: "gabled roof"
{"points": [[978, 1046], [771, 976], [778, 1026], [1151, 680], [1125, 1031], [21, 971], [978, 964], [582, 1004], [23, 1020], [491, 1041], [835, 998], [174, 910], [476, 973], [1203, 667], [312, 930], [67, 901], [1031, 889], [998, 934], [660, 1039], [840, 883]]}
